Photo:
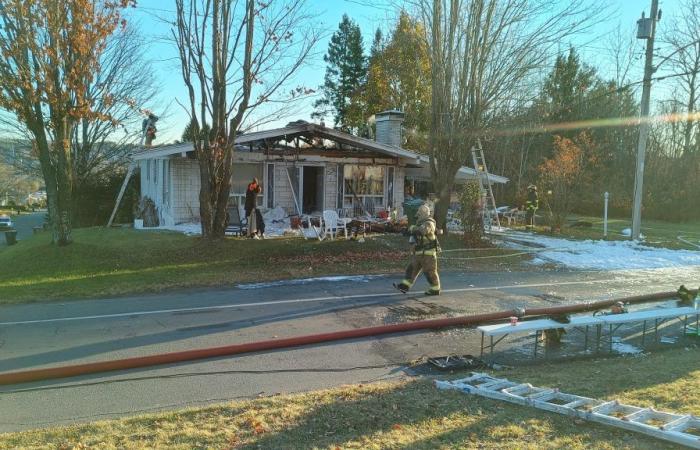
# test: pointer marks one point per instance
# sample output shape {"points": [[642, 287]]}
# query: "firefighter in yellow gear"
{"points": [[423, 254]]}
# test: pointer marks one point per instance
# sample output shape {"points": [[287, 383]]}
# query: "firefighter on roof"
{"points": [[424, 253]]}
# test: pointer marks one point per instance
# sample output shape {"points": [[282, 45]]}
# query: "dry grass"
{"points": [[408, 414], [112, 262]]}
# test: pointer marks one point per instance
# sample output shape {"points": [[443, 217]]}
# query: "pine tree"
{"points": [[398, 77], [345, 73]]}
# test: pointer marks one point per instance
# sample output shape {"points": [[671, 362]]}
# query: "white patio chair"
{"points": [[331, 223]]}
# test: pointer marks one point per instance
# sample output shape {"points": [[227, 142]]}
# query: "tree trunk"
{"points": [[443, 189]]}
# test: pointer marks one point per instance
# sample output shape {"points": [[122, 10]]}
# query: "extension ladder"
{"points": [[485, 190], [676, 428]]}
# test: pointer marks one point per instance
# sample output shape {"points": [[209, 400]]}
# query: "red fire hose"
{"points": [[237, 349]]}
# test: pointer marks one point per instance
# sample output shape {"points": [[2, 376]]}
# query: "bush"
{"points": [[470, 214], [95, 199]]}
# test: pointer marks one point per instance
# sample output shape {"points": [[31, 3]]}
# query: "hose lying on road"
{"points": [[251, 347]]}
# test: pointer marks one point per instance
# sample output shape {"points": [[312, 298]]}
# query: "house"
{"points": [[303, 168]]}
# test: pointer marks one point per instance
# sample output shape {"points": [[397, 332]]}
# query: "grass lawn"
{"points": [[407, 415], [656, 232], [110, 262]]}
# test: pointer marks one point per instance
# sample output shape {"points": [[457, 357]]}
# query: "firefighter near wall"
{"points": [[425, 247]]}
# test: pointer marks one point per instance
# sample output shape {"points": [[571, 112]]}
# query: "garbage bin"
{"points": [[410, 207], [11, 237]]}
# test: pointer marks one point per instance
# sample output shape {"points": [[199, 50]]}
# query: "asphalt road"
{"points": [[52, 334], [24, 224]]}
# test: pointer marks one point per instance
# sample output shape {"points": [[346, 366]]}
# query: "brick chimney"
{"points": [[389, 127]]}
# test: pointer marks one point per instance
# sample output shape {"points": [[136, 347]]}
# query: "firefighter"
{"points": [[251, 205], [531, 205], [148, 127], [424, 253]]}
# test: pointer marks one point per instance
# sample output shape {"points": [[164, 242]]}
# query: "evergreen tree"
{"points": [[399, 78], [566, 88], [188, 132], [345, 73]]}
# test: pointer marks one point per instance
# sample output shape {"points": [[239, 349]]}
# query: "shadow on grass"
{"points": [[418, 416]]}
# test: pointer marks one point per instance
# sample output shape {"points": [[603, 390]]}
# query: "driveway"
{"points": [[24, 224]]}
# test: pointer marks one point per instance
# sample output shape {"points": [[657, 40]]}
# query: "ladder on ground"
{"points": [[485, 190], [672, 427]]}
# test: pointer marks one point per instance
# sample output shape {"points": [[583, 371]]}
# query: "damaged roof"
{"points": [[298, 129]]}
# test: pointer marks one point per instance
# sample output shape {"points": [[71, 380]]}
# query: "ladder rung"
{"points": [[678, 423]]}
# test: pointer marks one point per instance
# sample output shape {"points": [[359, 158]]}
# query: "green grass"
{"points": [[656, 232], [407, 414], [112, 262]]}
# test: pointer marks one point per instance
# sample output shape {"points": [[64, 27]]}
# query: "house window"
{"points": [[269, 185], [148, 170], [242, 176], [364, 188], [155, 172], [390, 187], [165, 180]]}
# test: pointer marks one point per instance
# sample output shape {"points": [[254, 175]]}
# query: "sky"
{"points": [[151, 17]]}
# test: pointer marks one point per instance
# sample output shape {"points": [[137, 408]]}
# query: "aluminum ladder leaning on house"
{"points": [[488, 200], [678, 428]]}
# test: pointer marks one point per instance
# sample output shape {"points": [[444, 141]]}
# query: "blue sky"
{"points": [[621, 14]]}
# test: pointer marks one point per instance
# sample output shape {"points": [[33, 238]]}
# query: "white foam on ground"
{"points": [[607, 255], [353, 278]]}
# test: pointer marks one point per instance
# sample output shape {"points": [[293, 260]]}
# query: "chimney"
{"points": [[389, 127]]}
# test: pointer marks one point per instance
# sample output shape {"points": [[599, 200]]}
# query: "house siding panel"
{"points": [[185, 188], [283, 191], [331, 187]]}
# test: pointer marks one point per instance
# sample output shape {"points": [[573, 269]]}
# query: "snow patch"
{"points": [[190, 229], [606, 255], [628, 232], [353, 278], [626, 349]]}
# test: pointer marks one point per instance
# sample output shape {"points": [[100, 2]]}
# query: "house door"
{"points": [[312, 189]]}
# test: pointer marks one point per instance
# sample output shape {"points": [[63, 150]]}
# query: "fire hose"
{"points": [[25, 376]]}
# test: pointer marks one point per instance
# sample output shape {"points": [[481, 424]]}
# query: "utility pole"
{"points": [[646, 30]]}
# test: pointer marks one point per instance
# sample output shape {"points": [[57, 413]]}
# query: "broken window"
{"points": [[243, 174], [364, 188]]}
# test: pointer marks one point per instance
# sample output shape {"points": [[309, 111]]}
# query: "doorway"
{"points": [[312, 189]]}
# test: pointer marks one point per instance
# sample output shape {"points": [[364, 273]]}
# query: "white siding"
{"points": [[155, 177], [399, 180], [283, 191], [185, 188], [331, 193]]}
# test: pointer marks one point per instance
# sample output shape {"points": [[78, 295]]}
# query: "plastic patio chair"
{"points": [[236, 225], [332, 222]]}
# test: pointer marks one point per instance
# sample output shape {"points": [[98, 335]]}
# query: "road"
{"points": [[52, 334], [24, 224]]}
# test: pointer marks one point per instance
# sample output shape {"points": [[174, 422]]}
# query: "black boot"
{"points": [[402, 287]]}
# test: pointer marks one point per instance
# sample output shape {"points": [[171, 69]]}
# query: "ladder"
{"points": [[672, 427], [488, 200]]}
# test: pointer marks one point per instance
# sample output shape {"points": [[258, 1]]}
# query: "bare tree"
{"points": [[123, 87], [51, 51], [236, 56], [482, 53], [684, 40]]}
